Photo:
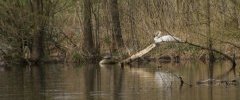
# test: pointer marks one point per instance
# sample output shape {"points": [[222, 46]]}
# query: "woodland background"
{"points": [[79, 30]]}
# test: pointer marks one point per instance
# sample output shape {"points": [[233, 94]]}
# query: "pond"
{"points": [[153, 81]]}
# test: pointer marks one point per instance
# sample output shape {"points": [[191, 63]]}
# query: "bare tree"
{"points": [[209, 39], [117, 33], [38, 37], [88, 44], [96, 25]]}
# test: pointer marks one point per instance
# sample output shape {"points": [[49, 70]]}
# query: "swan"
{"points": [[165, 38]]}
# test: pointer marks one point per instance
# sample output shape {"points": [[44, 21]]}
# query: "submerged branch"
{"points": [[181, 80]]}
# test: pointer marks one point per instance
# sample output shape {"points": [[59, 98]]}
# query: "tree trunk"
{"points": [[117, 34], [209, 39], [97, 29], [139, 54], [38, 37], [37, 47], [88, 44]]}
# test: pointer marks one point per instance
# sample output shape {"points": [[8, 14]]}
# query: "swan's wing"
{"points": [[168, 38], [165, 38], [157, 39]]}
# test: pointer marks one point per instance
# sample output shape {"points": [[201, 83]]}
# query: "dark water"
{"points": [[139, 82]]}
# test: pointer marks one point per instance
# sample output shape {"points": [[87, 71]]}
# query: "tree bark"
{"points": [[37, 47], [139, 54], [117, 34], [97, 29], [38, 37], [88, 44], [209, 38]]}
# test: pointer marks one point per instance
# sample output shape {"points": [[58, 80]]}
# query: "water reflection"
{"points": [[94, 82]]}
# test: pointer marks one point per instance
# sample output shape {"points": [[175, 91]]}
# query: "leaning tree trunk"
{"points": [[139, 54], [117, 34], [88, 45]]}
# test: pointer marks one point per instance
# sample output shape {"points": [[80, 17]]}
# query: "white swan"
{"points": [[165, 38]]}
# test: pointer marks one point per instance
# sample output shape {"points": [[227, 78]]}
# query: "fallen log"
{"points": [[139, 54]]}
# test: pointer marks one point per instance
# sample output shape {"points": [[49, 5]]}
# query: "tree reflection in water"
{"points": [[142, 82]]}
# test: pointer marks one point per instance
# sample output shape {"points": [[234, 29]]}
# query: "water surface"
{"points": [[139, 82]]}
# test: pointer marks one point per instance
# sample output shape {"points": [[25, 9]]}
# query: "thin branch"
{"points": [[74, 45], [214, 50], [4, 53], [181, 80], [226, 42]]}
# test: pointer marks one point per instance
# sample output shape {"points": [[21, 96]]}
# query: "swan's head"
{"points": [[157, 34]]}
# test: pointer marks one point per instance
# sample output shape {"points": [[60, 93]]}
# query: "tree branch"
{"points": [[214, 50]]}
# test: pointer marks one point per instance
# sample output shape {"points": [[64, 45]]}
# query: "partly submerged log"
{"points": [[131, 58], [108, 61], [139, 54]]}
